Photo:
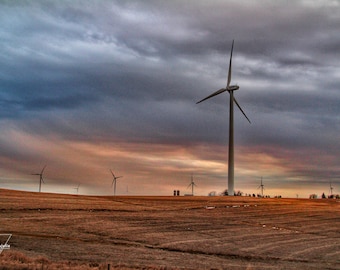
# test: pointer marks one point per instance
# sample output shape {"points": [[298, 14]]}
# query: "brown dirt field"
{"points": [[54, 231]]}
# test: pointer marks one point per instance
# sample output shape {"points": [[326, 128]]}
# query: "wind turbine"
{"points": [[77, 188], [261, 187], [230, 89], [331, 188], [41, 180], [114, 182], [192, 184]]}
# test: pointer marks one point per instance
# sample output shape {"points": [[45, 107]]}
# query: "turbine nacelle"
{"points": [[233, 87]]}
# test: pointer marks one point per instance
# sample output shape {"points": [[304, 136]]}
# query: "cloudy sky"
{"points": [[88, 86]]}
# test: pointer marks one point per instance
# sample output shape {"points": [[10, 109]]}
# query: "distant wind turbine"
{"points": [[192, 184], [261, 187], [114, 182], [41, 180], [331, 188], [77, 188], [230, 89]]}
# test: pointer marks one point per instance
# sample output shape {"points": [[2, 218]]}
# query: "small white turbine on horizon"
{"points": [[192, 184], [41, 179], [230, 89], [114, 182]]}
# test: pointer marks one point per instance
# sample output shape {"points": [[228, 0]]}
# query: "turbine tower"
{"points": [[192, 184], [41, 180], [114, 182], [230, 89], [261, 187]]}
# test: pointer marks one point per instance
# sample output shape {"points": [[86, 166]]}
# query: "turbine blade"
{"points": [[213, 94], [189, 185], [238, 105], [112, 173], [229, 71], [112, 183], [43, 169]]}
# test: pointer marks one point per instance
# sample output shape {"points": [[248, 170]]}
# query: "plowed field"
{"points": [[170, 232]]}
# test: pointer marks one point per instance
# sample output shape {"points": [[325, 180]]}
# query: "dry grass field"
{"points": [[54, 231]]}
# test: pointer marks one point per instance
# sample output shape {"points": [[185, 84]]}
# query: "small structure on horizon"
{"points": [[176, 192]]}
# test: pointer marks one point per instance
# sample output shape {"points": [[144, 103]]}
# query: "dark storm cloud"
{"points": [[132, 71]]}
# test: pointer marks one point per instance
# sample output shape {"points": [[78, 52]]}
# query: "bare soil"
{"points": [[90, 232]]}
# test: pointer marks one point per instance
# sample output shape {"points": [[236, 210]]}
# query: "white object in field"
{"points": [[5, 245]]}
